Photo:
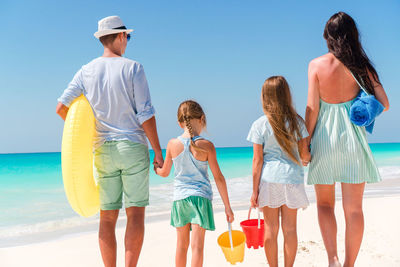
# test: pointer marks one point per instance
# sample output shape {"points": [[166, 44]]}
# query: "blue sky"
{"points": [[216, 52]]}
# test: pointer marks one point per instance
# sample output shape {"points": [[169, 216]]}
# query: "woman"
{"points": [[339, 149]]}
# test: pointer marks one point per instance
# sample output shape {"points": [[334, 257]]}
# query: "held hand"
{"points": [[229, 214], [254, 200], [158, 161], [156, 169], [306, 159]]}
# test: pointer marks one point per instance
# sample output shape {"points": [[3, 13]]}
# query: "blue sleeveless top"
{"points": [[191, 175]]}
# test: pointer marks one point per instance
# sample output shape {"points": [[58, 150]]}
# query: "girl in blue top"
{"points": [[192, 208], [279, 148]]}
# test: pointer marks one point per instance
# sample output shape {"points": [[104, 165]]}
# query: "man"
{"points": [[117, 91]]}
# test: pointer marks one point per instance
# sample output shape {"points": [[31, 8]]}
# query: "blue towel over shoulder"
{"points": [[364, 109]]}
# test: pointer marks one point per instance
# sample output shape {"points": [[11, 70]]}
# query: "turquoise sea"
{"points": [[32, 199]]}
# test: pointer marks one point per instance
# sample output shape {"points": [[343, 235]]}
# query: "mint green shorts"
{"points": [[122, 167], [193, 210]]}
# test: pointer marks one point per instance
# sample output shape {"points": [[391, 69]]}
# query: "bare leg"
{"points": [[107, 241], [327, 220], [183, 240], [134, 235], [353, 213], [271, 226], [289, 229], [198, 234]]}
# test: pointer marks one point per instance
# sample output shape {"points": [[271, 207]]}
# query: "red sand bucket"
{"points": [[254, 231]]}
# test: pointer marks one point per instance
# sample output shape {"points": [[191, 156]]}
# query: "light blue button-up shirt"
{"points": [[277, 167], [118, 93]]}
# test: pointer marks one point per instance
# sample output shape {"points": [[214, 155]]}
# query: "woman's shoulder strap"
{"points": [[359, 84]]}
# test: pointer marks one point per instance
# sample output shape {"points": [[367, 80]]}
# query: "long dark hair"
{"points": [[343, 41]]}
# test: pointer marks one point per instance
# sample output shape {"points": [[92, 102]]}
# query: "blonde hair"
{"points": [[187, 111], [278, 107]]}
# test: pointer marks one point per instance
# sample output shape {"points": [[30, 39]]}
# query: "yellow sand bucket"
{"points": [[235, 254]]}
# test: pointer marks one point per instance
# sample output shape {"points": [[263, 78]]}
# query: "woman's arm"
{"points": [[380, 93], [166, 168], [258, 161], [312, 109], [219, 180]]}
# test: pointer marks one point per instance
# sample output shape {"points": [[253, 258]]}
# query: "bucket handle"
{"points": [[258, 215], [230, 235]]}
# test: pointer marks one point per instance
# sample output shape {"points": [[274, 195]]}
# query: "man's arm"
{"points": [[145, 113], [74, 89], [62, 110], [150, 128]]}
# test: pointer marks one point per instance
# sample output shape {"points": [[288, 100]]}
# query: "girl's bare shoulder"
{"points": [[205, 144], [174, 142], [175, 147]]}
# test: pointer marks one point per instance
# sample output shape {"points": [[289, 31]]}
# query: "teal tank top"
{"points": [[191, 175]]}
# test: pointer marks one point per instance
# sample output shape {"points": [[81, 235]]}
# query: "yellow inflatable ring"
{"points": [[77, 158]]}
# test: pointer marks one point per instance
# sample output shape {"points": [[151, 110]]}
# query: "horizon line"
{"points": [[49, 152]]}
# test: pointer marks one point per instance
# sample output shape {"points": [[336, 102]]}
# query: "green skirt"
{"points": [[193, 210]]}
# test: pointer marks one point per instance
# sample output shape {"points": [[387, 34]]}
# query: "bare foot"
{"points": [[335, 264]]}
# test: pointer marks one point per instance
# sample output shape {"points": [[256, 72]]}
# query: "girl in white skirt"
{"points": [[279, 151]]}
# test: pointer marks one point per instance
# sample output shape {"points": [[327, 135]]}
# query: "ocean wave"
{"points": [[30, 190], [161, 198], [45, 227], [240, 189], [390, 172]]}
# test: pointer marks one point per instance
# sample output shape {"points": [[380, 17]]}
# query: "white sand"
{"points": [[380, 247]]}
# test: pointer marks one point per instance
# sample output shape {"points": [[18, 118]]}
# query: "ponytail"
{"points": [[190, 129], [187, 111]]}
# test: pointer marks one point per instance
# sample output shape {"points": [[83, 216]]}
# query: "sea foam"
{"points": [[161, 197]]}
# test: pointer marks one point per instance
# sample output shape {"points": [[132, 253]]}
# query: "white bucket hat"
{"points": [[110, 25]]}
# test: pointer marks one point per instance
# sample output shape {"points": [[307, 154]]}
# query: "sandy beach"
{"points": [[94, 93], [380, 245]]}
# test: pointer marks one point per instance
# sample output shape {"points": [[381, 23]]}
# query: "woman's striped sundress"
{"points": [[339, 149]]}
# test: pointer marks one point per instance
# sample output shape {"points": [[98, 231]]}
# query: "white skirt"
{"points": [[275, 195]]}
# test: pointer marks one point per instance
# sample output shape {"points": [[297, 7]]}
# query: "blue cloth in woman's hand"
{"points": [[364, 109]]}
